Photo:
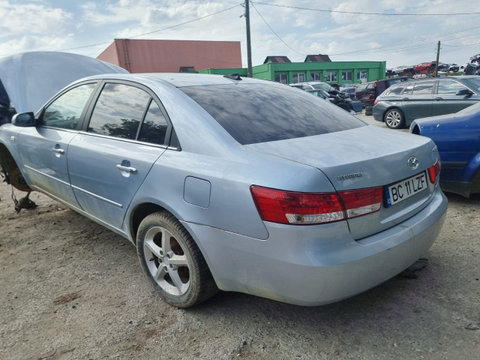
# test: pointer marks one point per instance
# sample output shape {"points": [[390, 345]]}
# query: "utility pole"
{"points": [[438, 57], [249, 45]]}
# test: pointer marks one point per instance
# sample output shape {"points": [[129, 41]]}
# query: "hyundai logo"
{"points": [[412, 162]]}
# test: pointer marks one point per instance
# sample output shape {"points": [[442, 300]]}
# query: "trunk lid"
{"points": [[362, 158]]}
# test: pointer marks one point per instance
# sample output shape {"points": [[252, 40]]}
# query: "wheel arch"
{"points": [[140, 212], [392, 107], [6, 158], [11, 169]]}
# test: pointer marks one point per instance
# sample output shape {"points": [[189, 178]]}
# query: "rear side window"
{"points": [[424, 87], [253, 113], [119, 111], [154, 127], [397, 90]]}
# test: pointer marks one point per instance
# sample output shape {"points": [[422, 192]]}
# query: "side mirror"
{"points": [[464, 92], [24, 119]]}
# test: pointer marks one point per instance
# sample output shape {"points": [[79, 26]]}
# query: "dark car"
{"points": [[456, 136], [405, 102], [367, 93]]}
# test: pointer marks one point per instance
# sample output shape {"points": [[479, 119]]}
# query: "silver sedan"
{"points": [[234, 184]]}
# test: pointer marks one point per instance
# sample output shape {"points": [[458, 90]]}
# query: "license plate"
{"points": [[406, 188]]}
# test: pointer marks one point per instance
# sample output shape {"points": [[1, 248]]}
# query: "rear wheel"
{"points": [[394, 119], [173, 262]]}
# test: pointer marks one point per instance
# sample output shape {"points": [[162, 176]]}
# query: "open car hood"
{"points": [[31, 78]]}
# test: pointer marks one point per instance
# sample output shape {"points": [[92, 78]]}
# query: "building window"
{"points": [[298, 77], [281, 78], [315, 76], [331, 76], [362, 75], [347, 75]]}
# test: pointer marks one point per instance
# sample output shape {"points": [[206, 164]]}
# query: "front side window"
{"points": [[65, 112], [449, 87], [119, 111], [254, 113]]}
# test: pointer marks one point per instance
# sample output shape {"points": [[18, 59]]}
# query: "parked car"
{"points": [[328, 92], [405, 102], [458, 141], [237, 184], [29, 79], [425, 67], [339, 99], [370, 91]]}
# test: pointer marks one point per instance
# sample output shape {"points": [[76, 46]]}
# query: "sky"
{"points": [[400, 32]]}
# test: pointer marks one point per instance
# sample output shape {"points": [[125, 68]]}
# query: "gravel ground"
{"points": [[71, 289]]}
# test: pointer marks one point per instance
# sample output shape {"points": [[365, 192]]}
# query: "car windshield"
{"points": [[473, 83], [254, 113]]}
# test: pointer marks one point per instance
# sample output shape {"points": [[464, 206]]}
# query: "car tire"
{"points": [[394, 119], [173, 262]]}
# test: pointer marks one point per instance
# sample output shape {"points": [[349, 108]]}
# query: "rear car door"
{"points": [[447, 101], [126, 134], [417, 100], [43, 149]]}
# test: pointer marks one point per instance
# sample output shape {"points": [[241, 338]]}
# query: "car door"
{"points": [[108, 162], [448, 100], [43, 149], [417, 100]]}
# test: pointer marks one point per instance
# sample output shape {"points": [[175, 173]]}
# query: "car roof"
{"points": [[181, 79]]}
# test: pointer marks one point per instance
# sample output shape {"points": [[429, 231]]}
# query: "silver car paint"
{"points": [[306, 265]]}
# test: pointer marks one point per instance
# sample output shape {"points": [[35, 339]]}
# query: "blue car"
{"points": [[458, 140], [233, 183]]}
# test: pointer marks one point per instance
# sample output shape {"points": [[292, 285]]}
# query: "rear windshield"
{"points": [[254, 113]]}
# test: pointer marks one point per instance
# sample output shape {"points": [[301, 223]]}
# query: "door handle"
{"points": [[405, 99], [438, 98], [58, 151], [127, 169]]}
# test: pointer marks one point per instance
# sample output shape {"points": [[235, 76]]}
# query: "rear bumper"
{"points": [[314, 265]]}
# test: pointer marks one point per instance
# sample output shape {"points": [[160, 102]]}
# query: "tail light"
{"points": [[434, 171], [375, 102], [289, 207]]}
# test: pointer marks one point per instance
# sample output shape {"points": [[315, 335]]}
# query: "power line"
{"points": [[159, 30], [363, 12], [273, 31]]}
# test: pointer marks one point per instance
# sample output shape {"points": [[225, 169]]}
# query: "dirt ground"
{"points": [[71, 289]]}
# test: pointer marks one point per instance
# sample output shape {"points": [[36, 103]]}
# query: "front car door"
{"points": [[43, 149], [447, 101], [108, 162]]}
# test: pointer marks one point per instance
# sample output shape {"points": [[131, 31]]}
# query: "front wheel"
{"points": [[394, 119], [173, 262]]}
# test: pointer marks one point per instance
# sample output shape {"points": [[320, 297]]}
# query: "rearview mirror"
{"points": [[24, 119], [464, 92]]}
